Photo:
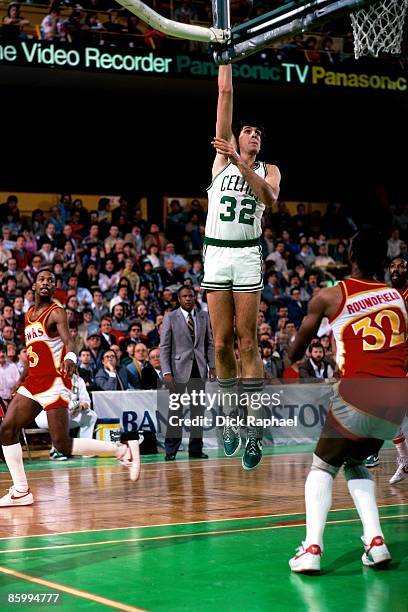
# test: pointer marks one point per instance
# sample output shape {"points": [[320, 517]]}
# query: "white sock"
{"points": [[13, 455], [362, 490], [402, 448], [88, 446], [318, 498]]}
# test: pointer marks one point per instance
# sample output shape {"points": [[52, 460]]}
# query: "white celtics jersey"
{"points": [[234, 212]]}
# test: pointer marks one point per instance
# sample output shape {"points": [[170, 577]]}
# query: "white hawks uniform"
{"points": [[232, 252]]}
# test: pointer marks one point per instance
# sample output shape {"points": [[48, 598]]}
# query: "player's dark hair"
{"points": [[253, 122], [369, 251], [315, 344], [45, 270]]}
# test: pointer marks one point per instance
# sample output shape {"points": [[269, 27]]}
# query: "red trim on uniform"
{"points": [[399, 439], [343, 301], [357, 285], [59, 403]]}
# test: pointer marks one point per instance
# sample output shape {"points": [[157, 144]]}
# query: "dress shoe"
{"points": [[170, 457], [197, 456]]}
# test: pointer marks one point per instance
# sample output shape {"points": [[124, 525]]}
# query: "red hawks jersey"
{"points": [[370, 330], [45, 354]]}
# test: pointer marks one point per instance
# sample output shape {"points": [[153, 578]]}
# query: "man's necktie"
{"points": [[190, 325]]}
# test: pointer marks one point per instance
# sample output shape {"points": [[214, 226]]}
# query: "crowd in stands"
{"points": [[105, 23], [117, 276]]}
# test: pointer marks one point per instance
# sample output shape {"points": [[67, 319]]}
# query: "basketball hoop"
{"points": [[379, 28]]}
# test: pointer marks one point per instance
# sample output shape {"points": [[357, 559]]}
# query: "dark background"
{"points": [[94, 133]]}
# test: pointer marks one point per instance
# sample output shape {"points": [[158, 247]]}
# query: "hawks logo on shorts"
{"points": [[45, 355]]}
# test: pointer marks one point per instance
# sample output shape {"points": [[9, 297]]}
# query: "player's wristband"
{"points": [[71, 356]]}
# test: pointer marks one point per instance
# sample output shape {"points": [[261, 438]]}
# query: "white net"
{"points": [[379, 28]]}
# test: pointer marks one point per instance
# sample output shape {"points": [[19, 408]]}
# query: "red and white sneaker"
{"points": [[131, 458], [306, 560], [376, 554], [402, 470], [17, 498]]}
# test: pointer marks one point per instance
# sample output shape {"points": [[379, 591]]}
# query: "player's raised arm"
{"points": [[223, 127]]}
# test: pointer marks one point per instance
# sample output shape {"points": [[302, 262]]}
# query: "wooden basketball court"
{"points": [[192, 535]]}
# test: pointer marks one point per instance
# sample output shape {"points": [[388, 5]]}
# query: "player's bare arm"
{"points": [[223, 127], [58, 318], [324, 304]]}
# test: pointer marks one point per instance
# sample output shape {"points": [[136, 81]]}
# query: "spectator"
{"points": [[83, 294], [107, 338], [98, 306], [122, 296], [297, 308], [110, 377], [5, 254], [267, 242], [112, 239], [150, 301], [195, 273], [52, 26], [155, 237], [9, 211], [141, 317], [46, 252], [306, 256], [175, 224], [94, 344], [323, 259], [179, 262], [315, 368], [9, 242], [273, 363], [130, 273], [135, 237], [278, 259], [21, 360], [13, 24], [119, 321], [136, 366], [87, 369], [109, 278], [88, 326], [9, 374], [152, 375], [394, 244], [154, 257], [135, 333], [169, 276]]}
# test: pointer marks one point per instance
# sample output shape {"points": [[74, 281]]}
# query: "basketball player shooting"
{"points": [[46, 385], [369, 322], [241, 188]]}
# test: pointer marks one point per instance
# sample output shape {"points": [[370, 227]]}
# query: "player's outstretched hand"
{"points": [[68, 368], [224, 147]]}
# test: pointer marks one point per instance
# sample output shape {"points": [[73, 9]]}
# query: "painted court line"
{"points": [[182, 535], [219, 520], [111, 603]]}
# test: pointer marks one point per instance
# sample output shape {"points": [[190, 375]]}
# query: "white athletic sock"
{"points": [[88, 446], [362, 490], [13, 455], [318, 498], [402, 448]]}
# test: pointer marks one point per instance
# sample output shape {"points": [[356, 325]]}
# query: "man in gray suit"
{"points": [[186, 354]]}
